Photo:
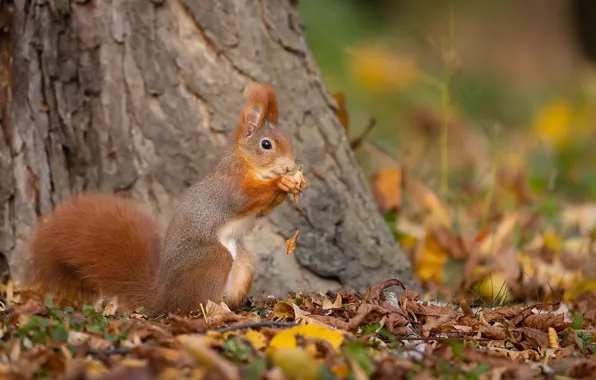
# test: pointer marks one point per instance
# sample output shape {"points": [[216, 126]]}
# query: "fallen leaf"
{"points": [[256, 339], [537, 338], [108, 309], [295, 362], [283, 311], [291, 243], [386, 189], [342, 112], [327, 305], [287, 338], [430, 260], [545, 321], [553, 338], [198, 347], [437, 213]]}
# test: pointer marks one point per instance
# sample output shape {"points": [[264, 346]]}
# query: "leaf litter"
{"points": [[375, 335]]}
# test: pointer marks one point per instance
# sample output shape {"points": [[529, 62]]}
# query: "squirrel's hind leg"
{"points": [[240, 278]]}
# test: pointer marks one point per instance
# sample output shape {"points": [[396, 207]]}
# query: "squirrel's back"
{"points": [[95, 246]]}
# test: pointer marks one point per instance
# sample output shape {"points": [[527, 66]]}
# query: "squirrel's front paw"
{"points": [[288, 184]]}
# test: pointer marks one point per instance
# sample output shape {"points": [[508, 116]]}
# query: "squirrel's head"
{"points": [[267, 148]]}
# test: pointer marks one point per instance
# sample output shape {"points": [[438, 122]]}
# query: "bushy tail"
{"points": [[95, 246]]}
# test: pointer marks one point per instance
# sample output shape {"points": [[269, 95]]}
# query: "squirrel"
{"points": [[99, 246]]}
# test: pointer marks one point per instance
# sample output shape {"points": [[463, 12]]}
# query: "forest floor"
{"points": [[325, 336]]}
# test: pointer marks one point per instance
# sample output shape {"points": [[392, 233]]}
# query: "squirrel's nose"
{"points": [[290, 167]]}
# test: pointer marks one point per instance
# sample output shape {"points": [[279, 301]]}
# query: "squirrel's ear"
{"points": [[251, 120]]}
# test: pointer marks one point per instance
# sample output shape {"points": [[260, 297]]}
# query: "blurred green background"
{"points": [[512, 78]]}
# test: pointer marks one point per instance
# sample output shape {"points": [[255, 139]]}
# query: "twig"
{"points": [[111, 351], [255, 324], [357, 142], [6, 312], [444, 339]]}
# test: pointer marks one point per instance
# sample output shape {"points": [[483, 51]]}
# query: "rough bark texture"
{"points": [[140, 95]]}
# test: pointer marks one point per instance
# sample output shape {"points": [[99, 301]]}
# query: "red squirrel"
{"points": [[100, 246]]}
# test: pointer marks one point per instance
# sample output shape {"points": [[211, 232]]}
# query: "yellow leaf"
{"points": [[296, 363], [578, 288], [256, 339], [527, 264], [553, 123], [287, 338], [553, 242], [378, 68], [430, 260], [494, 288], [553, 338]]}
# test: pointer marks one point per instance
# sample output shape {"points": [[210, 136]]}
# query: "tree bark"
{"points": [[139, 96]]}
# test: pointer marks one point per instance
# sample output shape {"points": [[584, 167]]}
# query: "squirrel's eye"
{"points": [[266, 144]]}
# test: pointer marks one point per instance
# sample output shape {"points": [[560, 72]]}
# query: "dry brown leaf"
{"points": [[342, 112], [523, 314], [338, 302], [303, 185], [291, 243], [435, 322], [437, 212], [492, 332], [545, 321], [326, 304], [283, 310], [386, 189], [502, 312], [537, 338]]}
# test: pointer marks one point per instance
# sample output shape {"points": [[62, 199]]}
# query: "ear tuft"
{"points": [[251, 120], [261, 109]]}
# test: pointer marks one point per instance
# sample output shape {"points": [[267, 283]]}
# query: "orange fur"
{"points": [[95, 246], [195, 285], [263, 97]]}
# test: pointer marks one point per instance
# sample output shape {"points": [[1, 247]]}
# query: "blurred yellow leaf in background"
{"points": [[430, 260], [386, 189], [553, 122], [381, 69], [578, 288], [560, 123]]}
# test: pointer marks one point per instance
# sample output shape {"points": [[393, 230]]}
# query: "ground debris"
{"points": [[303, 336]]}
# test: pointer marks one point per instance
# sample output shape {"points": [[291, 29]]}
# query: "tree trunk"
{"points": [[139, 96]]}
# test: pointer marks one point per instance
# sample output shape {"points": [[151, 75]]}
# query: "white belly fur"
{"points": [[233, 231], [229, 236]]}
